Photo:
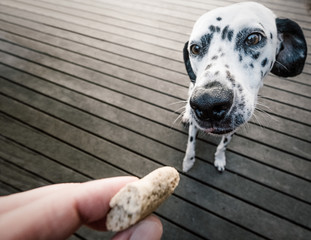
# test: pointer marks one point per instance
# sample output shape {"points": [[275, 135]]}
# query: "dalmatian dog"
{"points": [[230, 50]]}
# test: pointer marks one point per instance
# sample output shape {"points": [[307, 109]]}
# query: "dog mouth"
{"points": [[218, 128], [219, 131]]}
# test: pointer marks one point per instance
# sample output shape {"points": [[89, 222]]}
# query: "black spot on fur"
{"points": [[239, 119], [240, 88], [230, 35], [264, 62], [271, 35], [226, 140], [208, 66], [206, 41], [219, 19], [241, 105], [240, 58], [230, 77], [227, 66], [191, 139], [192, 158], [212, 28], [255, 55], [215, 57], [251, 65], [218, 29], [224, 32], [216, 73]]}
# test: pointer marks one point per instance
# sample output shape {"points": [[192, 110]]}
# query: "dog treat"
{"points": [[139, 199]]}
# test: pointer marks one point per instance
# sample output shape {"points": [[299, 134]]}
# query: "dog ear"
{"points": [[188, 64], [292, 54]]}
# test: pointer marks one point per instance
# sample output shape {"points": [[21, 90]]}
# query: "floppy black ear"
{"points": [[188, 64], [292, 55]]}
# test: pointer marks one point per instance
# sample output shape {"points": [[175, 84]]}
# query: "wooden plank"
{"points": [[67, 155], [126, 68], [97, 34], [18, 177], [74, 237], [49, 34], [179, 8], [192, 7], [291, 99], [120, 13], [185, 10], [15, 107], [31, 161], [84, 13], [123, 74], [134, 35], [6, 189], [288, 85]]}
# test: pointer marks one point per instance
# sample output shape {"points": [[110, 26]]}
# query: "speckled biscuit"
{"points": [[139, 199]]}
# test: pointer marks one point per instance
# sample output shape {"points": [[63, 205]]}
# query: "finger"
{"points": [[150, 228], [58, 215], [14, 201]]}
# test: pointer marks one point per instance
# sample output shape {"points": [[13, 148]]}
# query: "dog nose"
{"points": [[211, 102]]}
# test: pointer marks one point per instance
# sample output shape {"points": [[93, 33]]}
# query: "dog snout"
{"points": [[211, 102]]}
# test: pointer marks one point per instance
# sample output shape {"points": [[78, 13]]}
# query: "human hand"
{"points": [[57, 211]]}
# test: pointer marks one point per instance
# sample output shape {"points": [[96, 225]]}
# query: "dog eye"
{"points": [[253, 39], [195, 49]]}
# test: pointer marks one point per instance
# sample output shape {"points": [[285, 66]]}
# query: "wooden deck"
{"points": [[92, 89]]}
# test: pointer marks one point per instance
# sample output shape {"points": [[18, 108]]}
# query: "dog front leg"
{"points": [[220, 157], [189, 158]]}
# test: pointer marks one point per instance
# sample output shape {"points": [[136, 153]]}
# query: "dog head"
{"points": [[230, 51]]}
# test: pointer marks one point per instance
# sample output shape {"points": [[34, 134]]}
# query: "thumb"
{"points": [[150, 228]]}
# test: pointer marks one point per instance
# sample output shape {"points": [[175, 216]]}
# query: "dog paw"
{"points": [[187, 164], [220, 162]]}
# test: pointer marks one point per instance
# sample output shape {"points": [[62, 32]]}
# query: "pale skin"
{"points": [[57, 211]]}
